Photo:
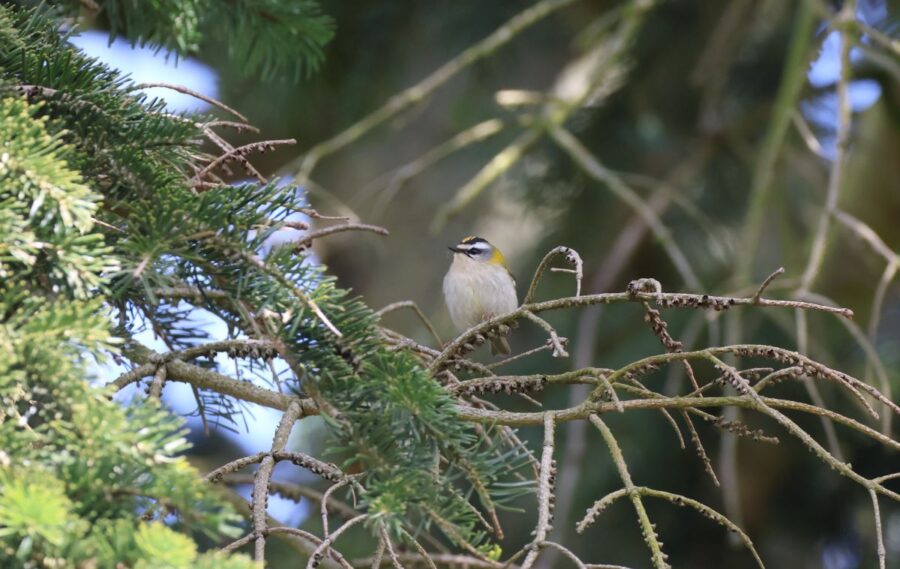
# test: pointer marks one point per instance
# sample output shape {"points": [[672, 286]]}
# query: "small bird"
{"points": [[479, 286]]}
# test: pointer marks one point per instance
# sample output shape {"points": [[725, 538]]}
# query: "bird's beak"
{"points": [[456, 249]]}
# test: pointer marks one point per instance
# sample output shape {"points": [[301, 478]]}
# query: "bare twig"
{"points": [[572, 257], [184, 90], [879, 536], [425, 555], [325, 546], [307, 239], [565, 551], [559, 350], [415, 308], [546, 483], [239, 155], [679, 500], [264, 476], [765, 284], [647, 529], [323, 505], [159, 380]]}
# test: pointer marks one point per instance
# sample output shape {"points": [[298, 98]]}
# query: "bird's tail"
{"points": [[499, 346]]}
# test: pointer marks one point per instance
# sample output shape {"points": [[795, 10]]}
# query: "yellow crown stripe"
{"points": [[469, 239]]}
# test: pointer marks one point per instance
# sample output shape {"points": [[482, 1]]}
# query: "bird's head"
{"points": [[479, 250]]}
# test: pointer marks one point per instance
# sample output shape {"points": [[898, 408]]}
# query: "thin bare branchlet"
{"points": [[227, 148], [307, 240], [671, 420], [867, 234], [312, 538], [238, 126], [239, 155], [323, 504], [765, 284], [303, 542], [263, 477], [546, 491], [316, 558], [558, 342], [184, 90], [392, 554], [598, 507], [611, 392], [708, 512], [159, 381], [879, 536], [698, 447], [735, 427], [777, 376], [544, 347], [648, 530], [293, 492], [418, 546], [886, 477], [235, 465], [418, 312], [379, 555], [572, 257], [500, 384], [409, 559], [565, 551]]}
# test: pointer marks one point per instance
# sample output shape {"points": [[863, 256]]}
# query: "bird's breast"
{"points": [[477, 292]]}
